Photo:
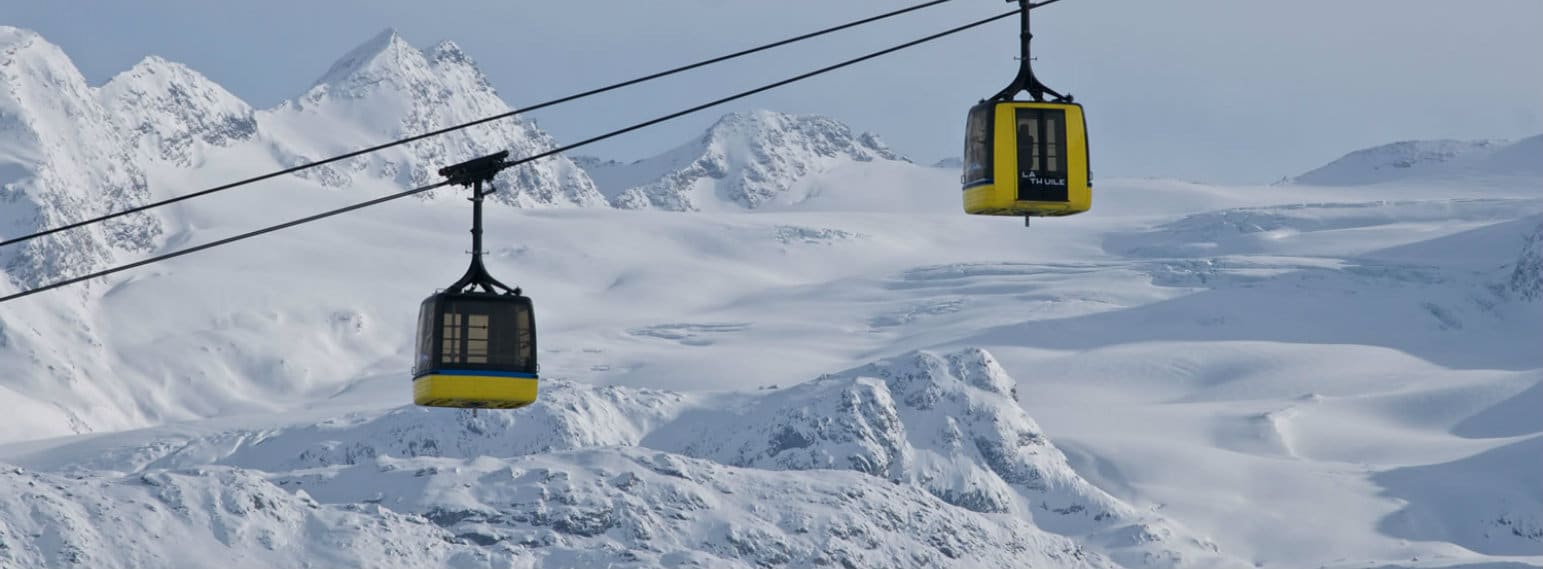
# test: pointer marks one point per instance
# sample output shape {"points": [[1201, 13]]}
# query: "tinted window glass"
{"points": [[977, 145], [425, 338], [488, 335]]}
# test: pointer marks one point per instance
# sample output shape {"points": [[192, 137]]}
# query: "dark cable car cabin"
{"points": [[476, 339], [1026, 158]]}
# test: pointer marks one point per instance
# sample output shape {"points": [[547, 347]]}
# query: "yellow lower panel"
{"points": [[992, 199], [474, 391], [984, 200]]}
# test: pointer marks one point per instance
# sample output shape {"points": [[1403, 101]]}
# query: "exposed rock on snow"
{"points": [[386, 89], [919, 431], [608, 507], [949, 423], [745, 160], [163, 108], [61, 161], [1527, 275]]}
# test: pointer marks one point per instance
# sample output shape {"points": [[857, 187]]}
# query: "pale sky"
{"points": [[1231, 91]]}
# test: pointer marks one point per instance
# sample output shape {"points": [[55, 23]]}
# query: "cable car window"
{"points": [[524, 338], [450, 343], [425, 338], [477, 338], [977, 145], [1041, 154], [513, 337]]}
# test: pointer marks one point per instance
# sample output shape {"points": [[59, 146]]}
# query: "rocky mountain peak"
{"points": [[387, 89], [744, 161], [382, 56], [773, 132], [163, 108], [449, 52], [61, 160]]}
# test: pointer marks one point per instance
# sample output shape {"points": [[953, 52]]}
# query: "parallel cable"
{"points": [[510, 163], [446, 130]]}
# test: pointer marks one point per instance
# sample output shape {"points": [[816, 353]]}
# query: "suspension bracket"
{"points": [[1026, 81], [474, 174]]}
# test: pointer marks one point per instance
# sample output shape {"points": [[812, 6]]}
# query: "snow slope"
{"points": [[1186, 376]]}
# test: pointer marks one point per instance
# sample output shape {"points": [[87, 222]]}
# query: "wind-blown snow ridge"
{"points": [[745, 160]]}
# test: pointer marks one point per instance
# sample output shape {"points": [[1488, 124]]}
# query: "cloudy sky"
{"points": [[1207, 90]]}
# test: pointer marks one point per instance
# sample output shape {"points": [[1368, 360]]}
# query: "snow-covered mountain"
{"points": [[61, 161], [386, 89], [701, 482], [69, 151], [615, 507], [1415, 159], [744, 161], [1186, 376], [162, 108]]}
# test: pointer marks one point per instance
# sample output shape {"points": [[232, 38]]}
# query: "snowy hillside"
{"points": [[744, 161], [1186, 376], [1451, 159]]}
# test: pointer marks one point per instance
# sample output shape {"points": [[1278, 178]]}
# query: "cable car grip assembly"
{"points": [[473, 174]]}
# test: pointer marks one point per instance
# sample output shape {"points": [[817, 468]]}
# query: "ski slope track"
{"points": [[778, 345]]}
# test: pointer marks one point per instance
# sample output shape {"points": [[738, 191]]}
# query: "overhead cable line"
{"points": [[446, 130], [526, 159]]}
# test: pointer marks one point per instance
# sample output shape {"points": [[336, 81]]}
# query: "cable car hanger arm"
{"points": [[473, 174], [1026, 81]]}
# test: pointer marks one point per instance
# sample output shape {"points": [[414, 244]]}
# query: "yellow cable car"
{"points": [[1026, 158], [477, 338]]}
